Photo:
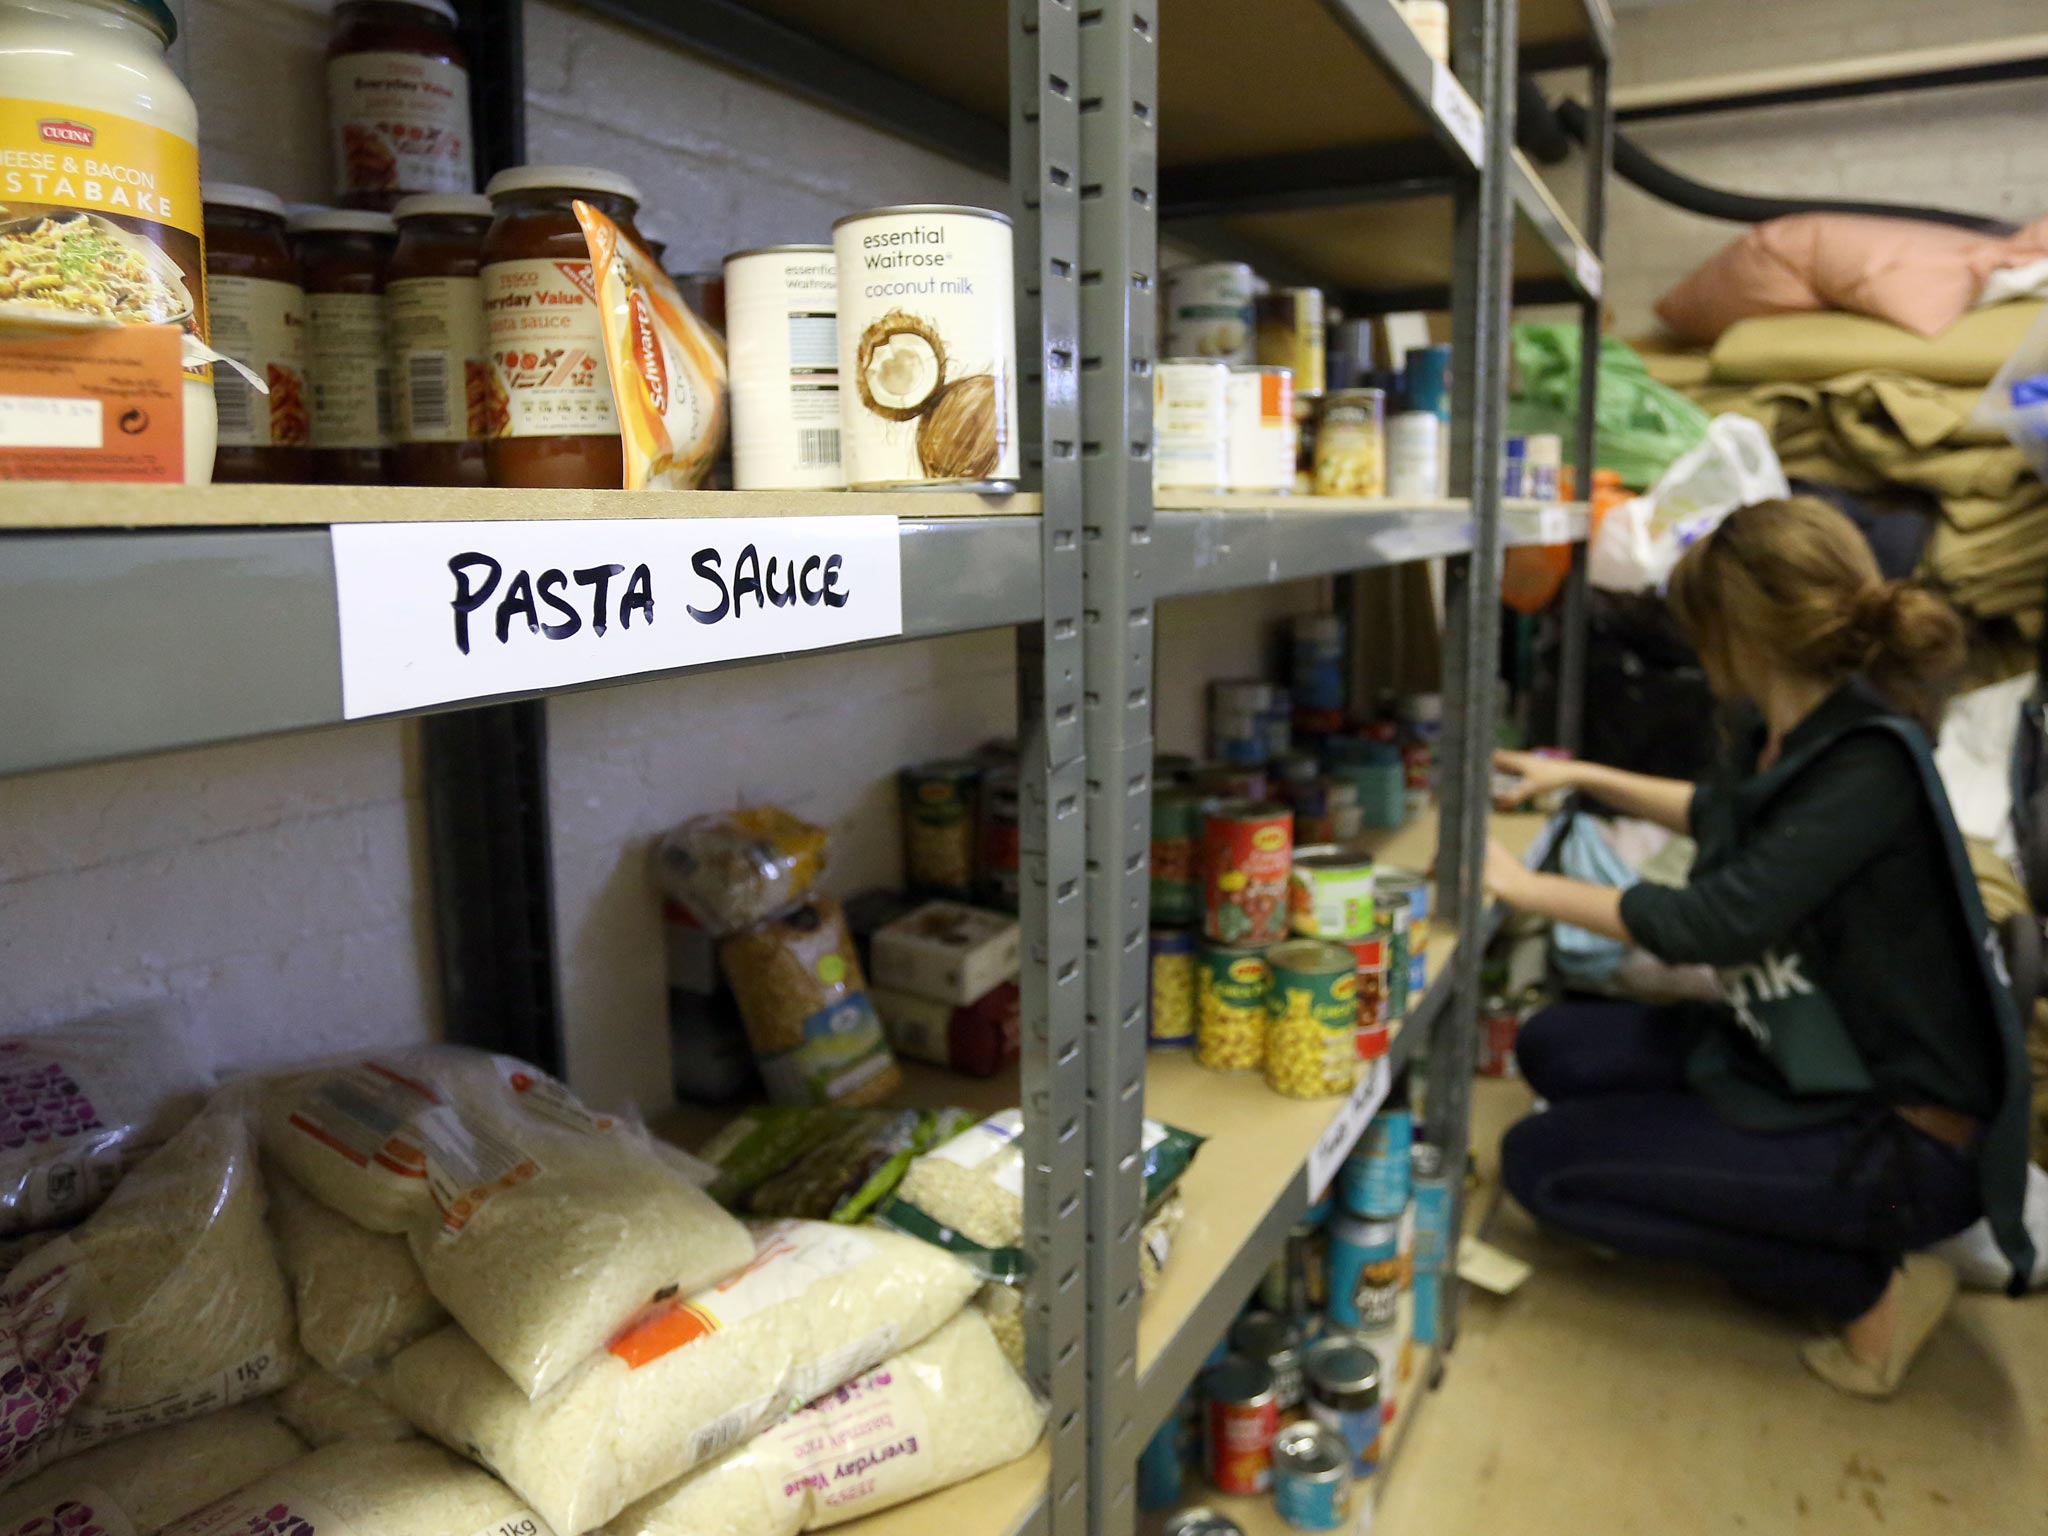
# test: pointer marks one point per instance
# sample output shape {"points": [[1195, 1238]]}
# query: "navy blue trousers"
{"points": [[1629, 1156]]}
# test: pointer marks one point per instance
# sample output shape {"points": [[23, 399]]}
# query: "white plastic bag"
{"points": [[2016, 400], [541, 1226], [165, 1304], [693, 1376], [1641, 539], [1981, 1263], [408, 1489], [144, 1483], [939, 1413], [361, 1298], [82, 1103]]}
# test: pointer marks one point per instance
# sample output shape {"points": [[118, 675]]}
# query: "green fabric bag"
{"points": [[1642, 425]]}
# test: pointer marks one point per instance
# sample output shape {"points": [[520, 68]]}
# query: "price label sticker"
{"points": [[1454, 105], [1344, 1129], [1588, 267], [434, 613]]}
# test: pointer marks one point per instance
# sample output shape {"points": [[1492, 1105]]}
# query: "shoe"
{"points": [[1926, 1289]]}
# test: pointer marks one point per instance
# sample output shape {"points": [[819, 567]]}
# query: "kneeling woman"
{"points": [[1861, 1093]]}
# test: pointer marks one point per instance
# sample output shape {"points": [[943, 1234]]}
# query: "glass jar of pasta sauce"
{"points": [[434, 324], [552, 417], [345, 253], [397, 102], [256, 300]]}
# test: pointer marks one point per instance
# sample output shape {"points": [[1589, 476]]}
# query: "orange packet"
{"points": [[667, 367]]}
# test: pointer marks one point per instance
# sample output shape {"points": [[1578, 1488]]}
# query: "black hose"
{"points": [[1665, 184]]}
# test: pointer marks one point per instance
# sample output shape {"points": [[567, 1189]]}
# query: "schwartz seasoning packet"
{"points": [[667, 366]]}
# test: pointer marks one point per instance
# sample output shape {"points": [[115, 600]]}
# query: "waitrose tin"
{"points": [[1240, 1417], [1209, 311], [1261, 422], [1330, 893], [1191, 424], [1311, 1478], [927, 349], [1341, 1379], [782, 361]]}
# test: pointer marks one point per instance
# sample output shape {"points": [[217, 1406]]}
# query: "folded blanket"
{"points": [[1808, 348]]}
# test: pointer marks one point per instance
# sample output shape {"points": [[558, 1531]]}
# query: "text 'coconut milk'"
{"points": [[927, 349]]}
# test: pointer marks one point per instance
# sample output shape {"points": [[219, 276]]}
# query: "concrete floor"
{"points": [[1615, 1398]]}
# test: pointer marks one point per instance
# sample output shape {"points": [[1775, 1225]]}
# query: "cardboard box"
{"points": [[946, 951]]}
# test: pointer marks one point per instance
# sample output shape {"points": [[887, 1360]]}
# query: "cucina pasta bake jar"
{"points": [[100, 221]]}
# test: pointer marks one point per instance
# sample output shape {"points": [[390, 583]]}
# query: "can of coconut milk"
{"points": [[1190, 424], [782, 356], [1209, 311], [927, 349]]}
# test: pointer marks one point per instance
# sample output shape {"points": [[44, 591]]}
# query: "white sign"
{"points": [[1459, 112], [1588, 267], [432, 613], [1344, 1129]]}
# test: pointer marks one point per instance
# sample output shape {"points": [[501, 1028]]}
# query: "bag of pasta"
{"points": [[732, 869], [805, 1005], [667, 367]]}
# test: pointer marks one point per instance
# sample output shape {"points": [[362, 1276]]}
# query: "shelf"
{"points": [[1561, 34], [40, 507], [1249, 1185], [1221, 543], [126, 642]]}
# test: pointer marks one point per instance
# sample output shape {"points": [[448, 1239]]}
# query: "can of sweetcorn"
{"points": [[1230, 1024], [1312, 1020]]}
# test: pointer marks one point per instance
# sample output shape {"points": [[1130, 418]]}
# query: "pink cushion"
{"points": [[1919, 276]]}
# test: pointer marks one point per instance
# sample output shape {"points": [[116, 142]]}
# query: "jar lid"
{"points": [[448, 205], [342, 221], [565, 178], [228, 194], [159, 16], [442, 8]]}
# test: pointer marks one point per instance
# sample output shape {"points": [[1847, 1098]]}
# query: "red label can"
{"points": [[1499, 1025], [1240, 1417], [1375, 1031], [1247, 854]]}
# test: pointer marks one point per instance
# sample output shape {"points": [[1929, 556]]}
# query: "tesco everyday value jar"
{"points": [[256, 303], [397, 102]]}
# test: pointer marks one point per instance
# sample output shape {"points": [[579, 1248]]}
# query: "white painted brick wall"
{"points": [[1972, 148]]}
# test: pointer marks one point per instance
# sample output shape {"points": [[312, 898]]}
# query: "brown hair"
{"points": [[1794, 580]]}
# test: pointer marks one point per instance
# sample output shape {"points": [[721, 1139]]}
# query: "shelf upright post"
{"points": [[1119, 253], [1045, 190], [486, 769], [1483, 33], [1599, 151]]}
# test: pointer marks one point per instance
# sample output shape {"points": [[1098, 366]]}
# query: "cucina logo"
{"points": [[59, 130]]}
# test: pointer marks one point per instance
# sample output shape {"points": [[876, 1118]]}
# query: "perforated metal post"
{"points": [[1045, 202], [1483, 55], [1571, 664], [1119, 157]]}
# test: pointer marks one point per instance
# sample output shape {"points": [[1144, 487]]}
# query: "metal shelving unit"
{"points": [[1316, 140]]}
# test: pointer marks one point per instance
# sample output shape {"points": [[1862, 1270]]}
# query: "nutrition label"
{"points": [[547, 350]]}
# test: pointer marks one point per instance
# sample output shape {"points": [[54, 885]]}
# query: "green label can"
{"points": [[1176, 856], [1230, 1027], [938, 802], [1312, 1020], [1330, 893]]}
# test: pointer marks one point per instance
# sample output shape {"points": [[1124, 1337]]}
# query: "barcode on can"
{"points": [[814, 346], [817, 447], [426, 392]]}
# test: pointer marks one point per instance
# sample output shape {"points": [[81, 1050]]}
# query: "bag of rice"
{"points": [[81, 1104], [409, 1489], [692, 1376], [325, 1410], [145, 1483], [361, 1298], [165, 1304], [939, 1413], [540, 1226]]}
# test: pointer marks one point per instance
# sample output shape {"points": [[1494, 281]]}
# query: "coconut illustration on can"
{"points": [[928, 337]]}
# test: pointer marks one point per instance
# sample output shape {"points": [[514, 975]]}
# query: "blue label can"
{"points": [[1432, 1192], [1159, 1468], [1427, 1292], [1311, 1478], [1365, 1273], [1374, 1180]]}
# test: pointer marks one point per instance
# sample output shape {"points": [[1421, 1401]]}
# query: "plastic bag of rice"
{"points": [[692, 1376], [939, 1413], [361, 1298], [354, 1489], [146, 1482], [83, 1103], [541, 1226], [165, 1304], [325, 1410]]}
